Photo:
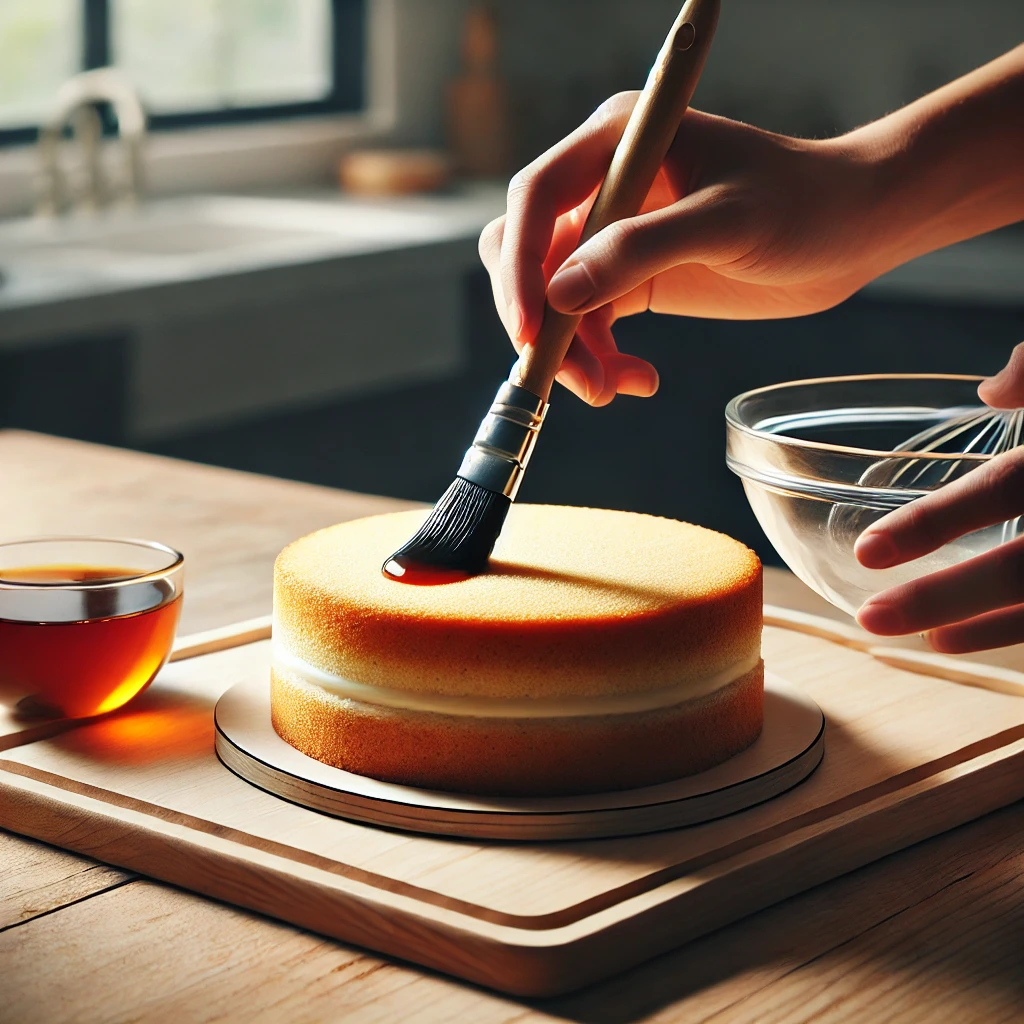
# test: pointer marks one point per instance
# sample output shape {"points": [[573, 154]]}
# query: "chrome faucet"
{"points": [[76, 106]]}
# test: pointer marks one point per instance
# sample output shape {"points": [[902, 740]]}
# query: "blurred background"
{"points": [[253, 244]]}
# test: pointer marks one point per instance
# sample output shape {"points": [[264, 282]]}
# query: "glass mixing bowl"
{"points": [[821, 460]]}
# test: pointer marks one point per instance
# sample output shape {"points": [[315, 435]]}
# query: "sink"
{"points": [[189, 237], [48, 265], [200, 235], [229, 307]]}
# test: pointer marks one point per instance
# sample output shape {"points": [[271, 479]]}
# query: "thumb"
{"points": [[1006, 389], [700, 228]]}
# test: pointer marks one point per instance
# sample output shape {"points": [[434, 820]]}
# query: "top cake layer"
{"points": [[577, 602]]}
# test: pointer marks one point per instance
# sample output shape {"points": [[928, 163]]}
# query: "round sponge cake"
{"points": [[603, 650]]}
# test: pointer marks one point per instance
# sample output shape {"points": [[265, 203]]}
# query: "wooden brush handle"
{"points": [[639, 155]]}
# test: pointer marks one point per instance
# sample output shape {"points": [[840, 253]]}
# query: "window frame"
{"points": [[349, 45]]}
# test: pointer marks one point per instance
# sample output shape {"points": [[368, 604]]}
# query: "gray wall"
{"points": [[807, 67]]}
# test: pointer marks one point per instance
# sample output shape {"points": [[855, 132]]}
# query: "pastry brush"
{"points": [[457, 537]]}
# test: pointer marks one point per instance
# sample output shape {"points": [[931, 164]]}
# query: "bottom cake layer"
{"points": [[518, 757]]}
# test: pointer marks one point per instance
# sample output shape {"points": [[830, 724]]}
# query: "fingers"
{"points": [[557, 181], [990, 494], [489, 248], [489, 245], [1006, 389], [594, 369], [706, 227], [972, 606], [623, 374], [994, 580], [582, 372], [634, 376], [993, 629]]}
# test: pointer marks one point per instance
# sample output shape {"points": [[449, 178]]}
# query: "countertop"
{"points": [[201, 310], [59, 276], [933, 933]]}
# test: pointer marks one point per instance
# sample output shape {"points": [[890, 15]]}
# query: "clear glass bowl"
{"points": [[821, 460], [85, 622]]}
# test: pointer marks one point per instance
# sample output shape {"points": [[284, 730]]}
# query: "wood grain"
{"points": [[228, 966], [145, 952], [849, 926], [929, 663], [15, 731], [907, 756], [222, 638], [784, 590], [882, 723], [37, 879], [229, 525]]}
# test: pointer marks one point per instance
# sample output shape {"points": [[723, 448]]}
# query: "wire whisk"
{"points": [[979, 431]]}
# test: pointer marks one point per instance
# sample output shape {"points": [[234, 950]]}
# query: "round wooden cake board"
{"points": [[789, 748]]}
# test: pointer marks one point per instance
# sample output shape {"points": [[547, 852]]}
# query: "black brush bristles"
{"points": [[459, 533]]}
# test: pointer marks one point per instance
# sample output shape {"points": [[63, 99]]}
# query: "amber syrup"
{"points": [[403, 569], [79, 669]]}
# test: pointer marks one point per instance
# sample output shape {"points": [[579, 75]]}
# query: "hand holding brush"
{"points": [[747, 224], [457, 537]]}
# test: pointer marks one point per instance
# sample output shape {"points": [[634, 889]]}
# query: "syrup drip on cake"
{"points": [[403, 569]]}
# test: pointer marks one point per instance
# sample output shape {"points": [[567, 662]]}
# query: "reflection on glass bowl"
{"points": [[85, 622], [821, 460]]}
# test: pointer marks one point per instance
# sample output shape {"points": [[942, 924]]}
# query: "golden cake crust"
{"points": [[578, 602]]}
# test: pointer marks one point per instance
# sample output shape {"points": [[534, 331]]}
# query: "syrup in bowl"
{"points": [[80, 633]]}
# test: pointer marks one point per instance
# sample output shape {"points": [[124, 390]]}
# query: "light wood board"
{"points": [[789, 748], [907, 756]]}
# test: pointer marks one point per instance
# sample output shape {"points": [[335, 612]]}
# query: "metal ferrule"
{"points": [[504, 443]]}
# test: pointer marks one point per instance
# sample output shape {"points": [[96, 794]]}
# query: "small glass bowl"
{"points": [[821, 460], [85, 623]]}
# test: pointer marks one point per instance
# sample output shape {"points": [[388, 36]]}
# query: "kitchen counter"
{"points": [[932, 933], [209, 309], [191, 250]]}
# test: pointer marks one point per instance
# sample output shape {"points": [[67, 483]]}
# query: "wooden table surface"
{"points": [[935, 933]]}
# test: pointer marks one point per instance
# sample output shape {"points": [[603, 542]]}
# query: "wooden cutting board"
{"points": [[906, 756]]}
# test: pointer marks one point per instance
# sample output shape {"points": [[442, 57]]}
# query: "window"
{"points": [[194, 62]]}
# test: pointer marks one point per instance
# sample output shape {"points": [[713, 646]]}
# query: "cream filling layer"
{"points": [[515, 707]]}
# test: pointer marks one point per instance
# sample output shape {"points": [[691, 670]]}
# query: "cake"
{"points": [[602, 650]]}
